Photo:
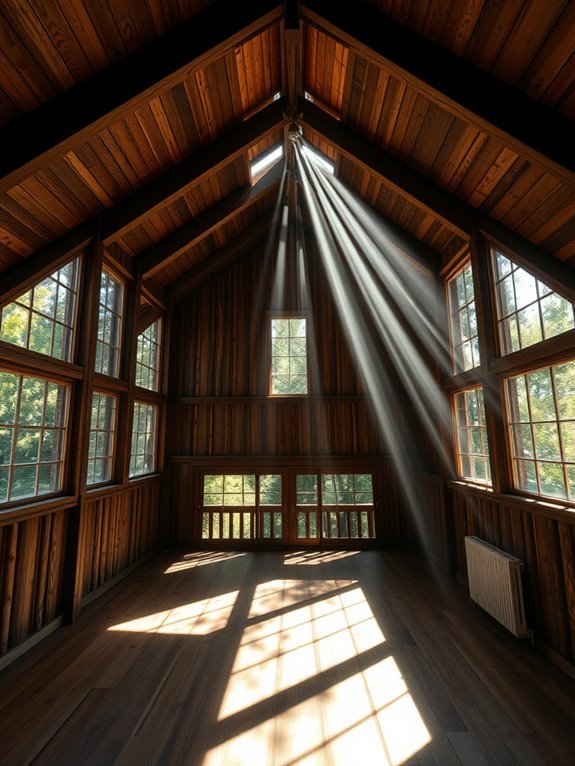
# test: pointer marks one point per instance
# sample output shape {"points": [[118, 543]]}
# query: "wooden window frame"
{"points": [[288, 315], [136, 433], [258, 511], [459, 454], [156, 370], [500, 318], [64, 431], [69, 326], [511, 423], [111, 435], [455, 310], [118, 314]]}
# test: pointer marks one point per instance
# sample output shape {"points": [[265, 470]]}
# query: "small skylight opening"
{"points": [[320, 159], [264, 161]]}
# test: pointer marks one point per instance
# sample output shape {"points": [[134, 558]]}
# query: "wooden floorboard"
{"points": [[278, 659]]}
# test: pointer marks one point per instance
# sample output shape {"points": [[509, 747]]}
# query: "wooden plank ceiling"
{"points": [[49, 50]]}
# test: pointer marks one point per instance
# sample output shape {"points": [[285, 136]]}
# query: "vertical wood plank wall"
{"points": [[219, 383], [544, 541], [122, 527], [31, 576]]}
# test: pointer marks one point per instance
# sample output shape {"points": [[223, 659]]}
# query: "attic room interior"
{"points": [[287, 382]]}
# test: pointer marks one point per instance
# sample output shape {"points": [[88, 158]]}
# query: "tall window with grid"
{"points": [[144, 437], [471, 436], [101, 442], [109, 325], [463, 320], [43, 318], [148, 357], [288, 356]]}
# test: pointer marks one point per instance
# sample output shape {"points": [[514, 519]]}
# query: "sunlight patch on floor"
{"points": [[194, 560], [313, 558], [199, 618], [312, 668]]}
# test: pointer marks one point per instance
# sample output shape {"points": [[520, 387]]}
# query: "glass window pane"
{"points": [[288, 357], [471, 437], [528, 310], [463, 321], [109, 325], [542, 426], [43, 319]]}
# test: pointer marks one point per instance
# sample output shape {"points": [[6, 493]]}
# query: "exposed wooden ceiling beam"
{"points": [[221, 258], [193, 232], [396, 174], [458, 215], [174, 182], [22, 276], [528, 126], [72, 116]]}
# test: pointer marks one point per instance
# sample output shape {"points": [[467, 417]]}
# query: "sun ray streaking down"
{"points": [[376, 298]]}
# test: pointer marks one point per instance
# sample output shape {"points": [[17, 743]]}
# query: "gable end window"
{"points": [[288, 356]]}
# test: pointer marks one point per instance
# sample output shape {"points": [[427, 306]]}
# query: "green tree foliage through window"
{"points": [[43, 318], [148, 357], [463, 320], [541, 417], [109, 325], [528, 310], [33, 415], [289, 356]]}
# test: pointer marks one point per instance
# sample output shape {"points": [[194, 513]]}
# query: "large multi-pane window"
{"points": [[541, 419], [148, 357], [242, 507], [528, 310], [289, 356], [109, 325], [101, 440], [42, 319], [144, 428], [33, 414], [471, 436], [463, 320], [334, 506]]}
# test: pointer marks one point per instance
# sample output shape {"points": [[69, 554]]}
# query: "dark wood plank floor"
{"points": [[281, 659]]}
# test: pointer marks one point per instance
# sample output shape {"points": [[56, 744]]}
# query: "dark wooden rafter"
{"points": [[458, 215], [72, 116], [396, 174], [24, 275], [190, 234], [530, 127], [223, 257], [293, 53], [173, 183], [128, 212]]}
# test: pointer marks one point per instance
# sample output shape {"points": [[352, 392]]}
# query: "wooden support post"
{"points": [[486, 331], [80, 423], [128, 370]]}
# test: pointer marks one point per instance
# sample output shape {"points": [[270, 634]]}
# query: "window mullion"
{"points": [[486, 324]]}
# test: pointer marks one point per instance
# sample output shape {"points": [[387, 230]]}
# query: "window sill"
{"points": [[34, 506], [560, 511]]}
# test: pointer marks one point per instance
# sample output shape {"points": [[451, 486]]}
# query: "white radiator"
{"points": [[495, 584]]}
